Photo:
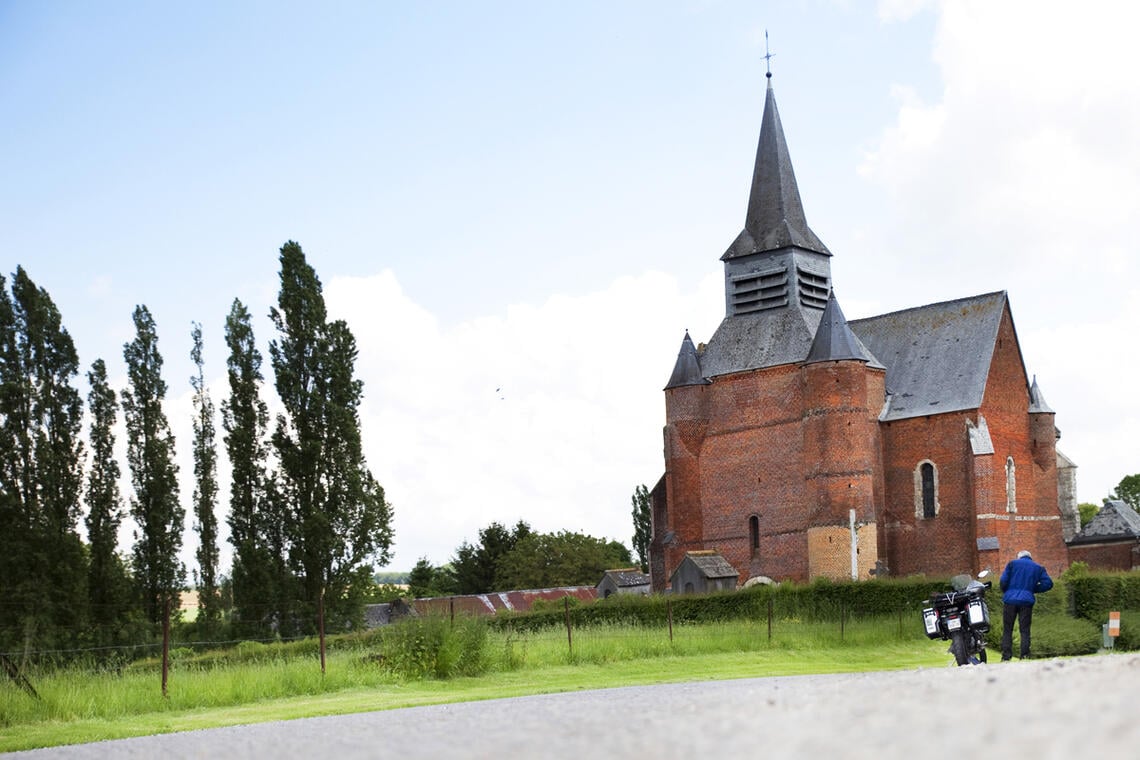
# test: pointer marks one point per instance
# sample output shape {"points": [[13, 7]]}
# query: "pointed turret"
{"points": [[834, 340], [775, 217], [687, 370], [1037, 404], [1042, 428]]}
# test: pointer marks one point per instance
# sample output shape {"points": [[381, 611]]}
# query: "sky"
{"points": [[519, 208]]}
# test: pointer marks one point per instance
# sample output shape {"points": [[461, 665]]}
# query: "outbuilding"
{"points": [[628, 580], [1111, 540], [702, 571]]}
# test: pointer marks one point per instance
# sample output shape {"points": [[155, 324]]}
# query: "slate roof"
{"points": [[687, 370], [775, 216], [712, 564], [937, 356], [1037, 403], [834, 340], [1116, 520], [764, 339], [376, 615], [630, 576]]}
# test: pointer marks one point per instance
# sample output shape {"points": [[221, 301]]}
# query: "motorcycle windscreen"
{"points": [[960, 582]]}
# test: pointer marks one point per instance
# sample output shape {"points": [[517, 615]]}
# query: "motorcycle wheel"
{"points": [[958, 647]]}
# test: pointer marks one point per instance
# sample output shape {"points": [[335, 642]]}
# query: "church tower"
{"points": [[771, 435], [799, 445], [844, 391], [777, 272]]}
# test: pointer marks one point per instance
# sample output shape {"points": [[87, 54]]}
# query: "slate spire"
{"points": [[1037, 403], [775, 216], [687, 370], [834, 340]]}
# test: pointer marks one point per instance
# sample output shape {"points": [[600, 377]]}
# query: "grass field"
{"points": [[402, 667]]}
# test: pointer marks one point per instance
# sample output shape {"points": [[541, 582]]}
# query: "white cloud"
{"points": [[549, 413], [1024, 175]]}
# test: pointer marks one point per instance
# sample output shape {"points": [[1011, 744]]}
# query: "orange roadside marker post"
{"points": [[1110, 630]]}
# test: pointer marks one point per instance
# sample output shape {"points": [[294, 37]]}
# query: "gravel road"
{"points": [[1062, 708]]}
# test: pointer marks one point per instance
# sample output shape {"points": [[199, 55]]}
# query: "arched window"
{"points": [[925, 490], [1010, 485], [754, 532]]}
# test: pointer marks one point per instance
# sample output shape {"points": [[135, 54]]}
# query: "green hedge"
{"points": [[1094, 595], [1055, 634], [1066, 622], [821, 600]]}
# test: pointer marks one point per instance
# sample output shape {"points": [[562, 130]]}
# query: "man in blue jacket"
{"points": [[1020, 581]]}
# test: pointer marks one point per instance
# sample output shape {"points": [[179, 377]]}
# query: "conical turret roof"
{"points": [[775, 213], [687, 370], [1037, 404], [834, 340]]}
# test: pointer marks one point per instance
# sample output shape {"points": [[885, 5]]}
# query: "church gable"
{"points": [[1007, 385]]}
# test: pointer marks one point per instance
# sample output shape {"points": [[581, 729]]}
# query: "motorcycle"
{"points": [[961, 617]]}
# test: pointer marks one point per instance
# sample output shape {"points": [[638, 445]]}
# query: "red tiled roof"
{"points": [[498, 601]]}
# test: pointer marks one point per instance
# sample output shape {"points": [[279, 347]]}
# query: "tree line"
{"points": [[1127, 490], [307, 519], [505, 558]]}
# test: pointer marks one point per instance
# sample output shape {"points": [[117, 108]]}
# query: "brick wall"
{"points": [[1031, 443], [798, 447], [1121, 555], [944, 544]]}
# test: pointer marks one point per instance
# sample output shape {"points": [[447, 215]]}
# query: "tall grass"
{"points": [[426, 648], [430, 650]]}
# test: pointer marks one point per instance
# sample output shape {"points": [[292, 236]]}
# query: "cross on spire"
{"points": [[768, 56]]}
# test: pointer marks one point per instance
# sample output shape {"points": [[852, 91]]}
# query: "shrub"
{"points": [[1055, 634], [434, 647], [555, 605], [1094, 595]]}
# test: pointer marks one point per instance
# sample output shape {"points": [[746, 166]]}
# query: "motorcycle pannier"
{"points": [[930, 620], [979, 615]]}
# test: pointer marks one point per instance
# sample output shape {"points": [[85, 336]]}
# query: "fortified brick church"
{"points": [[800, 445]]}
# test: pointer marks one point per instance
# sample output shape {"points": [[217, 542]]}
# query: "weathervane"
{"points": [[767, 55]]}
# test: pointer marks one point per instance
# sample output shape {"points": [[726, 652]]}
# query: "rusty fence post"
{"points": [[165, 644], [566, 609], [18, 677], [321, 625], [769, 617]]}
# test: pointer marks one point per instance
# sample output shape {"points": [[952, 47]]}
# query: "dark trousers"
{"points": [[1023, 613]]}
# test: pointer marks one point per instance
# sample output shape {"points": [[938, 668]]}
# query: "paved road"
{"points": [[1064, 708]]}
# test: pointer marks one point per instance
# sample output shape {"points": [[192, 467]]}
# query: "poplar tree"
{"points": [[14, 525], [43, 568], [258, 566], [642, 526], [106, 577], [338, 522], [154, 475], [205, 491]]}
